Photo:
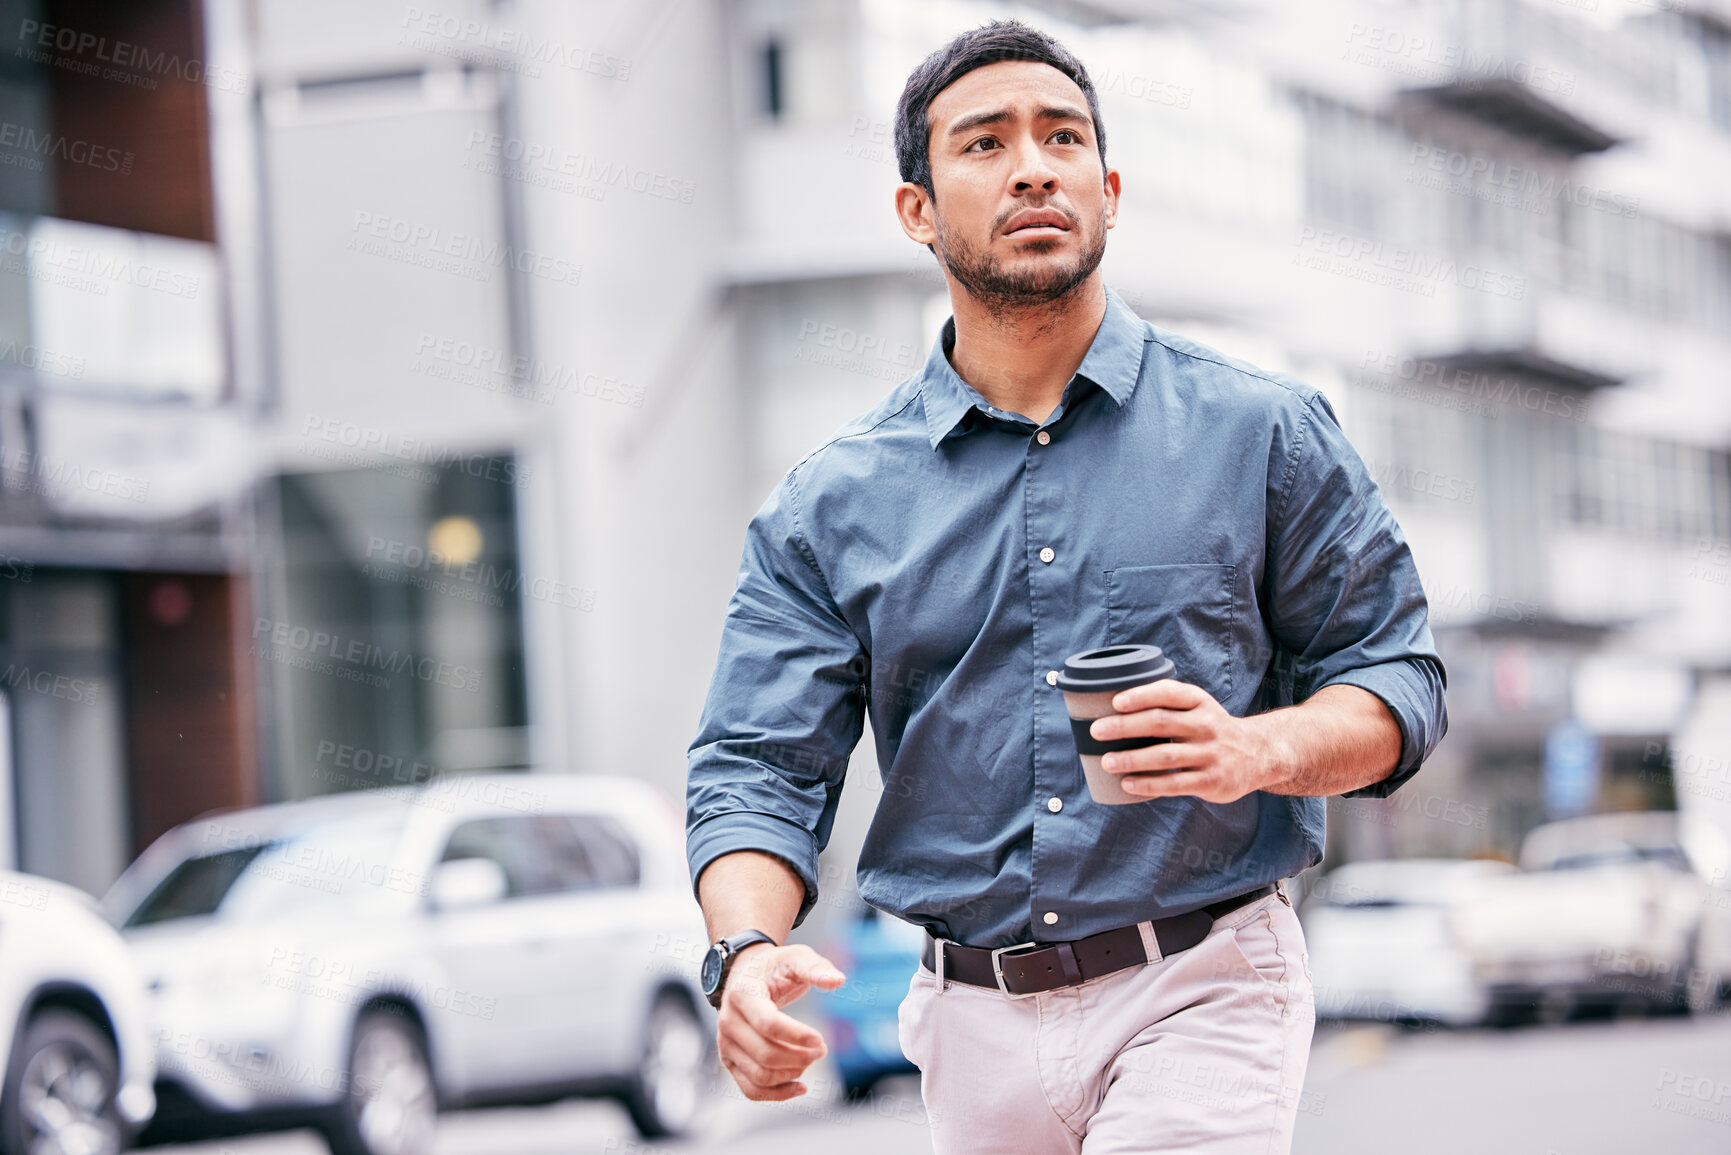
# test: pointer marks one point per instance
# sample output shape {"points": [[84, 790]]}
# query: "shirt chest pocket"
{"points": [[1187, 610]]}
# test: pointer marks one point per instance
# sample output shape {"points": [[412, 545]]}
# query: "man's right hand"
{"points": [[764, 1049]]}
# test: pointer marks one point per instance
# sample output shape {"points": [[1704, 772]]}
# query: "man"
{"points": [[1059, 476]]}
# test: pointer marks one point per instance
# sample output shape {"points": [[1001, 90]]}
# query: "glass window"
{"points": [[611, 852], [346, 864], [195, 887], [550, 853], [512, 843], [339, 863]]}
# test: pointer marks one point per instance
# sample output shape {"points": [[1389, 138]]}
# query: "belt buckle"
{"points": [[998, 967]]}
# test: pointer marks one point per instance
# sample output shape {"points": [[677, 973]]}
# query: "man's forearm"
{"points": [[750, 890], [1340, 739]]}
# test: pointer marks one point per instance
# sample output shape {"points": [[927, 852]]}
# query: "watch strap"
{"points": [[734, 944]]}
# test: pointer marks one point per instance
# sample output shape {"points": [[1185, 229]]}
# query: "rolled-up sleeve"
{"points": [[1344, 595], [784, 711]]}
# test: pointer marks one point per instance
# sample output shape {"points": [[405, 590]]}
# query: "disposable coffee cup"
{"points": [[1089, 681]]}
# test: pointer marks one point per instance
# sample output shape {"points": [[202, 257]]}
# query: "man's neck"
{"points": [[1021, 359]]}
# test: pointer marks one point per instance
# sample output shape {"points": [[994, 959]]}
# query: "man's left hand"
{"points": [[1212, 756]]}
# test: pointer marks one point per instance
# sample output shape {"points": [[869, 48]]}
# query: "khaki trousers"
{"points": [[1201, 1052]]}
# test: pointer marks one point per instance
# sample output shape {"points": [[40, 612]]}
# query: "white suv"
{"points": [[361, 960], [73, 1023]]}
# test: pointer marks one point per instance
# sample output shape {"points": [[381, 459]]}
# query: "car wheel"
{"points": [[667, 1089], [59, 1094], [390, 1108]]}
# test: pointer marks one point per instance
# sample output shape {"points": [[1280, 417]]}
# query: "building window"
{"points": [[774, 81], [1644, 486]]}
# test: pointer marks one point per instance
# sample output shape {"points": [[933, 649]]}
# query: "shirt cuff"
{"points": [[1412, 690], [750, 830]]}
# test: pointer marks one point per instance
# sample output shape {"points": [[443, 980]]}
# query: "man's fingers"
{"points": [[760, 1083], [779, 1093], [1160, 759], [800, 966], [1167, 693], [1154, 723], [764, 1062], [1207, 785], [789, 1058], [761, 1016]]}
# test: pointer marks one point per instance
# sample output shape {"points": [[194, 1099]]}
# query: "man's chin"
{"points": [[1020, 246]]}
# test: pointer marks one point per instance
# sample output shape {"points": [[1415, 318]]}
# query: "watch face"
{"points": [[710, 975]]}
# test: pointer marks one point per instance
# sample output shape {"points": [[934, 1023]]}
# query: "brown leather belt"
{"points": [[1029, 968]]}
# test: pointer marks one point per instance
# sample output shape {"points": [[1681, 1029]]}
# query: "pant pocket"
{"points": [[1258, 945], [910, 1015]]}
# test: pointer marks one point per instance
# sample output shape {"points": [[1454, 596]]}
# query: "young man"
{"points": [[1059, 476]]}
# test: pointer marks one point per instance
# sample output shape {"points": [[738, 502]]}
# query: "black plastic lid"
{"points": [[1113, 668]]}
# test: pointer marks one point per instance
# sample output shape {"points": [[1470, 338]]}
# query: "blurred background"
{"points": [[384, 390]]}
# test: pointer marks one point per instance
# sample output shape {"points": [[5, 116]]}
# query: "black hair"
{"points": [[988, 44]]}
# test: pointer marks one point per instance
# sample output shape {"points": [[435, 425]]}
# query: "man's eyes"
{"points": [[986, 143]]}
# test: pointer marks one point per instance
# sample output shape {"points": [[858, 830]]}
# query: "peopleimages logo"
{"points": [[448, 34], [1398, 266], [1496, 181], [1436, 379], [353, 658], [563, 170], [118, 60], [1420, 55], [442, 250], [364, 446], [86, 267], [57, 146]]}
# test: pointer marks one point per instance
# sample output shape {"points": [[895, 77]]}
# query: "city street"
{"points": [[1578, 1089]]}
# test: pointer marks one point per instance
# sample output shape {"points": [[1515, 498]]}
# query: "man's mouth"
{"points": [[1037, 223]]}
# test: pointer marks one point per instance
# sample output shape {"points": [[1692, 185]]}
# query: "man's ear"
{"points": [[1113, 190], [915, 212]]}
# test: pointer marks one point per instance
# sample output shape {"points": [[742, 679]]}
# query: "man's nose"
{"points": [[1034, 169]]}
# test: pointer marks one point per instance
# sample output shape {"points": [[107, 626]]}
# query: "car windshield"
{"points": [[334, 864]]}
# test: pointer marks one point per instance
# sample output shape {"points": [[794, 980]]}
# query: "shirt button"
{"points": [[1043, 437], [1051, 917], [1046, 555], [1051, 677], [1054, 804]]}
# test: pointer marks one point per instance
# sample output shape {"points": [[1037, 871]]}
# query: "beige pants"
{"points": [[1201, 1052]]}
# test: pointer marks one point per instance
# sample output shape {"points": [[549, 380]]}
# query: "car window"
{"points": [[341, 863], [334, 863], [596, 849], [195, 887], [549, 853], [512, 843]]}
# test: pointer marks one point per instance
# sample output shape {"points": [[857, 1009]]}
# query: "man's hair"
{"points": [[988, 44]]}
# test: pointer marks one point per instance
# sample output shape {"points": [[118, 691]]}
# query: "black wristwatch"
{"points": [[719, 961]]}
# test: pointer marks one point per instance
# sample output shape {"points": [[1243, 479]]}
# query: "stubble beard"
{"points": [[1004, 290]]}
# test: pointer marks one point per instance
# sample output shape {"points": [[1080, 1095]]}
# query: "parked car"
{"points": [[1609, 910], [879, 955], [357, 962], [80, 1058], [1383, 945]]}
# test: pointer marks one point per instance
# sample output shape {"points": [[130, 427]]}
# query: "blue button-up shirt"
{"points": [[936, 559]]}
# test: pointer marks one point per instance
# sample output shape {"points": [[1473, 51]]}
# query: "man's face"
{"points": [[1021, 206]]}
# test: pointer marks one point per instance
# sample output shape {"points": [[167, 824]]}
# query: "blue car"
{"points": [[879, 954]]}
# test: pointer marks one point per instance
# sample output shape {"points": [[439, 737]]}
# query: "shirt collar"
{"points": [[1114, 362]]}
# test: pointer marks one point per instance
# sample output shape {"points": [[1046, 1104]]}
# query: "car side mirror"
{"points": [[467, 882]]}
